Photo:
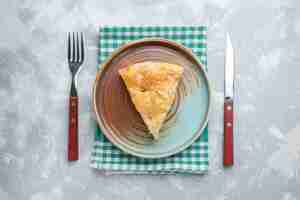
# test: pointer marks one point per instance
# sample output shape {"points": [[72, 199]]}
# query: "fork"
{"points": [[75, 60]]}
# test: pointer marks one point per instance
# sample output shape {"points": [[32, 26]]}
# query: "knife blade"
{"points": [[228, 103]]}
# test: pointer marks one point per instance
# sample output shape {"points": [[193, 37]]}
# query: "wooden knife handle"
{"points": [[228, 132], [73, 129]]}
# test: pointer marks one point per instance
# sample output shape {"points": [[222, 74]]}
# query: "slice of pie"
{"points": [[152, 88]]}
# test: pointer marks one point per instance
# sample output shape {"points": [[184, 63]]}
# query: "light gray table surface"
{"points": [[34, 88]]}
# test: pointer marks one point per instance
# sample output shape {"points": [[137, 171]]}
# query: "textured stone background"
{"points": [[34, 88]]}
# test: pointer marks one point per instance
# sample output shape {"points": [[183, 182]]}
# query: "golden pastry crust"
{"points": [[152, 88]]}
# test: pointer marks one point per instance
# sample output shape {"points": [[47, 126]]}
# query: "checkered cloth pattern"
{"points": [[106, 156]]}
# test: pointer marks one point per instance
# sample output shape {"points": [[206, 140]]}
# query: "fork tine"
{"points": [[73, 48], [82, 48], [69, 47], [77, 48]]}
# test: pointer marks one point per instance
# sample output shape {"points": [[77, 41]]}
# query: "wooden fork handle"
{"points": [[73, 129], [228, 132]]}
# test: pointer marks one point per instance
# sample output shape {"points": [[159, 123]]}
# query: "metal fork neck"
{"points": [[73, 88], [74, 67]]}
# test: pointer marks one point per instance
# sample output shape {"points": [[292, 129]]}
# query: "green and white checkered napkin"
{"points": [[105, 155]]}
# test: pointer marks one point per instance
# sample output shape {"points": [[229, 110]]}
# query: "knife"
{"points": [[228, 103]]}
